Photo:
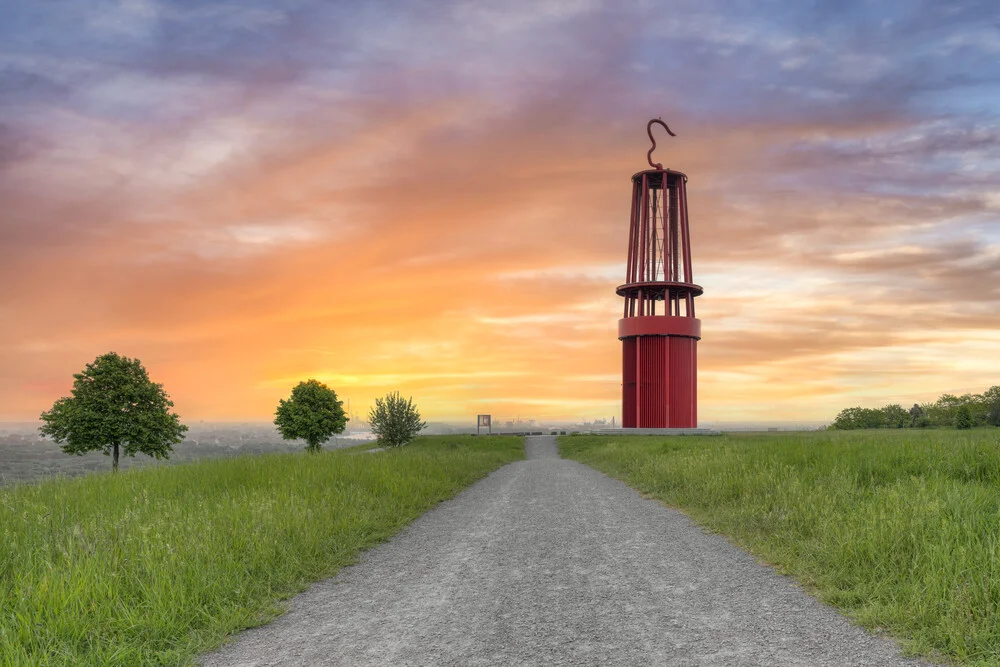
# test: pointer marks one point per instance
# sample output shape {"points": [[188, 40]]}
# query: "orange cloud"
{"points": [[423, 232]]}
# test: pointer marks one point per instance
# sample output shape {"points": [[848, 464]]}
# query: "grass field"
{"points": [[154, 566], [900, 529]]}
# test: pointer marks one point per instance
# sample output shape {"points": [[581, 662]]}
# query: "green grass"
{"points": [[154, 566], [900, 529]]}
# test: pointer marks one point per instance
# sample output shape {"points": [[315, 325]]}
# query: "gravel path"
{"points": [[548, 562]]}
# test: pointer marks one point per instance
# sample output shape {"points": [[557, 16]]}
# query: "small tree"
{"points": [[894, 416], [313, 414], [991, 397], [963, 417], [853, 418], [395, 421], [942, 411], [114, 407]]}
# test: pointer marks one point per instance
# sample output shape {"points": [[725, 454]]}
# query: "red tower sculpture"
{"points": [[659, 331]]}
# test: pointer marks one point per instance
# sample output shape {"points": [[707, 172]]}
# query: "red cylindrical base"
{"points": [[659, 381]]}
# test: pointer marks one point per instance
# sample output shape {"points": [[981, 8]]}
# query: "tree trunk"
{"points": [[115, 459]]}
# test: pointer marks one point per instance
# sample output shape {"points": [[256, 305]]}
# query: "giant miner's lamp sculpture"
{"points": [[659, 332]]}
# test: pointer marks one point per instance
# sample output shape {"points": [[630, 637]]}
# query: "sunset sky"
{"points": [[433, 197]]}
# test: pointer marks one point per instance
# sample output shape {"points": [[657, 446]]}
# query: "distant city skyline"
{"points": [[433, 198]]}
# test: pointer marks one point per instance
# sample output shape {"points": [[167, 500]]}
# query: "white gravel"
{"points": [[548, 562]]}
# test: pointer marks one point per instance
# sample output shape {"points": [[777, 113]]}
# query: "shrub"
{"points": [[395, 421], [963, 417]]}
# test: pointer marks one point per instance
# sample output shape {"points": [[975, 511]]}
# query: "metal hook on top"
{"points": [[649, 131]]}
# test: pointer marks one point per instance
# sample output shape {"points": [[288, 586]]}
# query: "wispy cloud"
{"points": [[433, 198]]}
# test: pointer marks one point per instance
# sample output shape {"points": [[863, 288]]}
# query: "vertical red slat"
{"points": [[648, 404], [643, 232], [694, 383], [628, 383], [667, 389], [638, 381], [633, 232], [651, 244], [668, 249], [629, 278], [643, 235], [685, 230]]}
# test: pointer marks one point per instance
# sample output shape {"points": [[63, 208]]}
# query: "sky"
{"points": [[433, 197]]}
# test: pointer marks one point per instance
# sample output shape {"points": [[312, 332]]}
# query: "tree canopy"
{"points": [[854, 418], [312, 413], [114, 407]]}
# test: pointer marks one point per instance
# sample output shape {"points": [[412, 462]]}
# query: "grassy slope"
{"points": [[901, 529], [155, 566]]}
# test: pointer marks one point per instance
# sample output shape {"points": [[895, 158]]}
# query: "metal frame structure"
{"points": [[659, 349]]}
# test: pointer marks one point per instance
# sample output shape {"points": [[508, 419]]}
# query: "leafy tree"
{"points": [[894, 416], [853, 418], [114, 406], [944, 411], [395, 421], [978, 408], [312, 413], [991, 401], [963, 417]]}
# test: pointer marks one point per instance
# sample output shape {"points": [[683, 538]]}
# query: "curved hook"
{"points": [[649, 131]]}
